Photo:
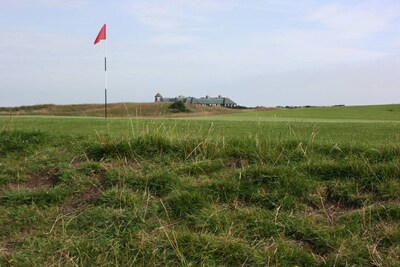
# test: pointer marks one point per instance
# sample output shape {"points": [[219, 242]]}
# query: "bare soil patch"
{"points": [[45, 179], [84, 199]]}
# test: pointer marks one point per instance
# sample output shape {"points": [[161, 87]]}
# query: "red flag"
{"points": [[102, 34]]}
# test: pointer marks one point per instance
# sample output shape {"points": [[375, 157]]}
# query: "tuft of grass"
{"points": [[184, 204], [20, 141], [41, 197]]}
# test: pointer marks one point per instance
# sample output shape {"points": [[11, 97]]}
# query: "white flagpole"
{"points": [[105, 78]]}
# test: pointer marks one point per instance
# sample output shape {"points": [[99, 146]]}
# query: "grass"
{"points": [[167, 192], [320, 114]]}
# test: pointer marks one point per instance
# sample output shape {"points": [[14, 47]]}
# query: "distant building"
{"points": [[204, 101]]}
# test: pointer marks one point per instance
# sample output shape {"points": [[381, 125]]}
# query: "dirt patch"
{"points": [[44, 179], [84, 199]]}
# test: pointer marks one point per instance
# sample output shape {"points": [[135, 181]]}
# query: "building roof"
{"points": [[210, 101], [224, 101], [158, 95]]}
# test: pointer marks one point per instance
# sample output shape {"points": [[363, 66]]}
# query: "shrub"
{"points": [[178, 106]]}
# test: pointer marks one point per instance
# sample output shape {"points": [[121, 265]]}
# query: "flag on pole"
{"points": [[102, 34]]}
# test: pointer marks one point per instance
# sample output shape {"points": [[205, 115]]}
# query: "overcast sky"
{"points": [[257, 52]]}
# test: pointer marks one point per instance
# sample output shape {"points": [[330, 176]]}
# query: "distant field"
{"points": [[302, 187], [351, 113]]}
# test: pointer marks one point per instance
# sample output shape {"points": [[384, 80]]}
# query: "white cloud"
{"points": [[308, 47], [355, 22], [156, 16], [163, 16]]}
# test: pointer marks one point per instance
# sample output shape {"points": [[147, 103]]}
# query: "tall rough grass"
{"points": [[165, 195]]}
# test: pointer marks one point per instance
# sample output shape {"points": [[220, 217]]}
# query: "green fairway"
{"points": [[369, 132], [304, 188], [320, 114]]}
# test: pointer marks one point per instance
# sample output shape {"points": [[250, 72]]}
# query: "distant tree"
{"points": [[178, 106]]}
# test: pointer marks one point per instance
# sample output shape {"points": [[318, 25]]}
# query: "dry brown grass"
{"points": [[117, 110]]}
